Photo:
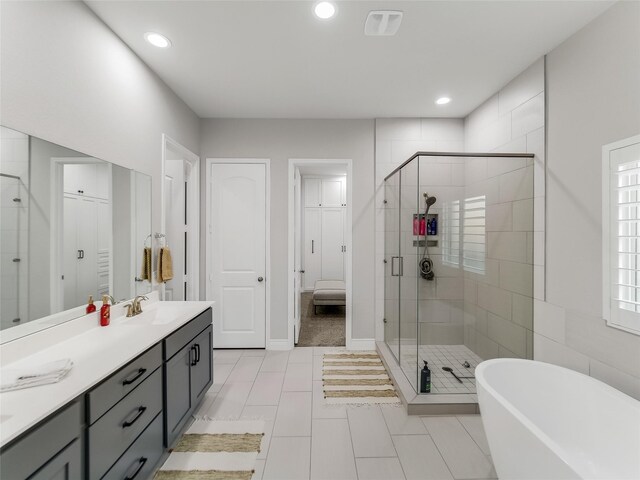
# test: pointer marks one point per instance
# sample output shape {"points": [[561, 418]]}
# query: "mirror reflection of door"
{"points": [[141, 232], [86, 231], [176, 225]]}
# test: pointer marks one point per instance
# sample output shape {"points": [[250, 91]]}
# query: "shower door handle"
{"points": [[393, 266], [400, 266]]}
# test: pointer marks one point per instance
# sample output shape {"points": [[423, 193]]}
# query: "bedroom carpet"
{"points": [[326, 329]]}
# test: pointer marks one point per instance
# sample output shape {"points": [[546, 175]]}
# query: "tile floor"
{"points": [[307, 440]]}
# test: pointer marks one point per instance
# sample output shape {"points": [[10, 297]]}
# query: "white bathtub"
{"points": [[545, 422]]}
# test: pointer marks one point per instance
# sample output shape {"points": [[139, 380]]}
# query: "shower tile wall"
{"points": [[396, 141], [14, 160], [498, 302]]}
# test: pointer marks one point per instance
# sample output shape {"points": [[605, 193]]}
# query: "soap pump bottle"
{"points": [[105, 311], [90, 306], [425, 379]]}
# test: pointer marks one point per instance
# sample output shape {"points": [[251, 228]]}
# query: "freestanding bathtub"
{"points": [[545, 422]]}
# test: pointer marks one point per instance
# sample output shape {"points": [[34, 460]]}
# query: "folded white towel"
{"points": [[52, 372]]}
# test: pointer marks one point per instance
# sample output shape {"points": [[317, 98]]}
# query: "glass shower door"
{"points": [[412, 224], [392, 265]]}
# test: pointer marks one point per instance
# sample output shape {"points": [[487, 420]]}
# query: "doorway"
{"points": [[180, 220], [320, 260], [237, 245]]}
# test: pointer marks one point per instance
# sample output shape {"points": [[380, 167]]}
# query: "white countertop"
{"points": [[96, 353]]}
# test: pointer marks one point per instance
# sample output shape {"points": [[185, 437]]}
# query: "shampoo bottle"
{"points": [[425, 379], [90, 306], [105, 311]]}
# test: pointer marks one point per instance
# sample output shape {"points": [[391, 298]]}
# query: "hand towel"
{"points": [[52, 372], [165, 265], [146, 264]]}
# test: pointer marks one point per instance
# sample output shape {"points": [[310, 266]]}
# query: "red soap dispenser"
{"points": [[90, 306], [105, 311]]}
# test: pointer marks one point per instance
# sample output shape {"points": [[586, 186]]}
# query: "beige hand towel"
{"points": [[165, 265], [146, 264]]}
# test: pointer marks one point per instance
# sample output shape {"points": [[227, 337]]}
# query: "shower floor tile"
{"points": [[439, 356]]}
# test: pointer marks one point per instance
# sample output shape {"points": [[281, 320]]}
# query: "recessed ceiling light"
{"points": [[157, 40], [325, 10], [443, 101]]}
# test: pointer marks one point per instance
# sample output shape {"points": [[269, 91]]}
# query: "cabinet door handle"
{"points": [[312, 246], [193, 360], [141, 463], [197, 345], [128, 423], [129, 381]]}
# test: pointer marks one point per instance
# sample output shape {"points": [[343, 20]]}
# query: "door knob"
{"points": [[260, 279]]}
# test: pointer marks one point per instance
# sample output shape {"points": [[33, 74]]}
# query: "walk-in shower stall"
{"points": [[459, 232]]}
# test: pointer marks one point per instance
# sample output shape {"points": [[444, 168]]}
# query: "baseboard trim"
{"points": [[278, 344], [361, 344]]}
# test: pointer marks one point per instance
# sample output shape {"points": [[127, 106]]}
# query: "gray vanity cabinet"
{"points": [[66, 465], [188, 373], [50, 451]]}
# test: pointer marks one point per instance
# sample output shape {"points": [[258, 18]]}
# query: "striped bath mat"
{"points": [[356, 378], [215, 450]]}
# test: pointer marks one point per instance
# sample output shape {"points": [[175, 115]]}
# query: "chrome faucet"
{"points": [[137, 307]]}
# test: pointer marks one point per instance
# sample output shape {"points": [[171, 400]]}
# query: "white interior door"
{"points": [[312, 247], [238, 242], [175, 226], [332, 244], [297, 252]]}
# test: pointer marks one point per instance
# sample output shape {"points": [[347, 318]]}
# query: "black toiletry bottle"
{"points": [[425, 379]]}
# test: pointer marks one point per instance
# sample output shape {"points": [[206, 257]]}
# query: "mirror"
{"points": [[71, 226]]}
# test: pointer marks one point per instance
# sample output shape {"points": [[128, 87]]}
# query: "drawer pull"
{"points": [[128, 423], [141, 463], [129, 381], [194, 360], [197, 345]]}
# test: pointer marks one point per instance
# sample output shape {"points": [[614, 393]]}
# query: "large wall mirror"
{"points": [[71, 226]]}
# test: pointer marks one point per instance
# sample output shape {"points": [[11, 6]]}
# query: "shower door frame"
{"points": [[398, 170]]}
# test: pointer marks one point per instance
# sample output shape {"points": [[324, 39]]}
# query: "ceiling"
{"points": [[275, 59]]}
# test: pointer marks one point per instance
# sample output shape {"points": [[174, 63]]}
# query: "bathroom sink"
{"points": [[156, 315]]}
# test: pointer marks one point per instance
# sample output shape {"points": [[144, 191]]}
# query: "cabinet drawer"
{"points": [[110, 436], [114, 388], [174, 343], [142, 456], [31, 452]]}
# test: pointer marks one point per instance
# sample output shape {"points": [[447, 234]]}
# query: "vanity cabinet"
{"points": [[188, 373], [119, 428], [50, 451]]}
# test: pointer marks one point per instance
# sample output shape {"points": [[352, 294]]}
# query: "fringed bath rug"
{"points": [[356, 378], [215, 450]]}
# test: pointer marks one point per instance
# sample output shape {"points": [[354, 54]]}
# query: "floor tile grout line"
{"points": [[392, 442], [439, 452]]}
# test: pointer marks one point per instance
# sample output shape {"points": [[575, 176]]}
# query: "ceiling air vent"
{"points": [[382, 23]]}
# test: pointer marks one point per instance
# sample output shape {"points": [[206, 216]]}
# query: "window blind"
{"points": [[473, 240]]}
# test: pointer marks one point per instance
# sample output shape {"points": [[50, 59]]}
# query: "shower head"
{"points": [[429, 200]]}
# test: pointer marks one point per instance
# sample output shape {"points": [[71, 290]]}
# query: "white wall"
{"points": [[499, 303], [67, 78], [280, 140], [593, 88]]}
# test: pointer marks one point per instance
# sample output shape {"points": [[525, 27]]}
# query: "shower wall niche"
{"points": [[461, 292]]}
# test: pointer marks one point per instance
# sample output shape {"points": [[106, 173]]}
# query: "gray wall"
{"points": [[593, 88], [67, 78], [280, 140]]}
